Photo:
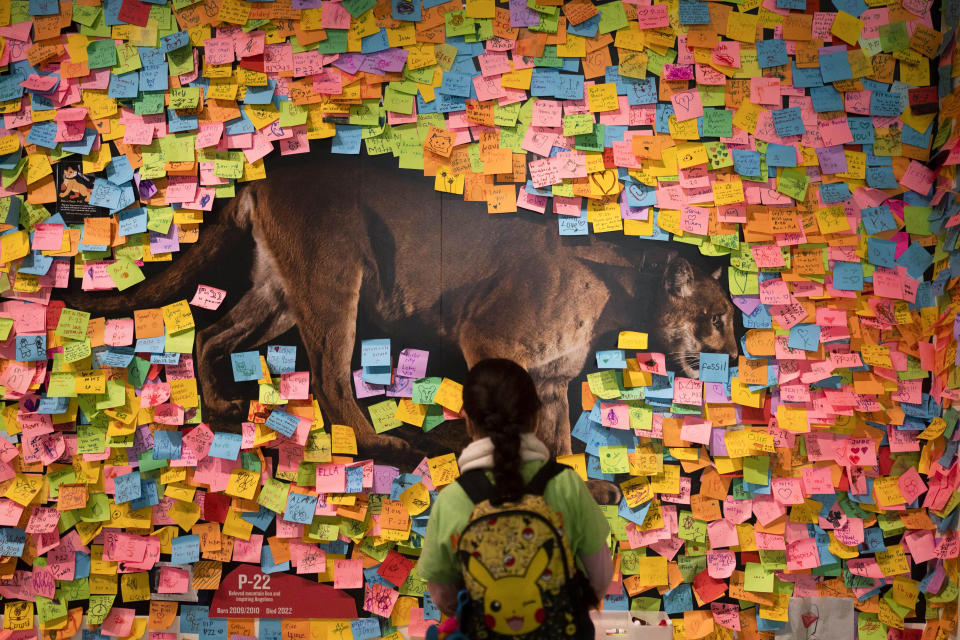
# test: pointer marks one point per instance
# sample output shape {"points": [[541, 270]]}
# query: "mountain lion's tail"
{"points": [[179, 280]]}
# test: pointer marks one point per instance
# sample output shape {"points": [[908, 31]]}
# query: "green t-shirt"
{"points": [[584, 524]]}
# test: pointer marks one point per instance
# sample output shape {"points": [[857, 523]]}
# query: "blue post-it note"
{"points": [[283, 422], [780, 155], [105, 194], [167, 445], [225, 445], [366, 628], [788, 122], [267, 565], [573, 226], [881, 252], [281, 358], [771, 53], [375, 353], [804, 336], [848, 276], [246, 366], [43, 134], [269, 629], [174, 41], [119, 170], [714, 367], [347, 140], [132, 221], [186, 549], [916, 259], [300, 507], [127, 487], [31, 348], [611, 359]]}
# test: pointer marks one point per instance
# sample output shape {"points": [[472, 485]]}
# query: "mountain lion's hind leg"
{"points": [[259, 316]]}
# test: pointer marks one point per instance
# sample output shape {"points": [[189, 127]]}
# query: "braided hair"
{"points": [[501, 401]]}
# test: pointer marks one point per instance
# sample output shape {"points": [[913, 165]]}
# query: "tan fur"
{"points": [[339, 236]]}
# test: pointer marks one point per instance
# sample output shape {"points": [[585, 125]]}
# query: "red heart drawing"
{"points": [[808, 619]]}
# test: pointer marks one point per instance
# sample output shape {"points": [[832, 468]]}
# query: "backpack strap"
{"points": [[538, 483], [478, 486]]}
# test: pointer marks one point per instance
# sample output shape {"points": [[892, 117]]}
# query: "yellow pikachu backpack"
{"points": [[518, 568]]}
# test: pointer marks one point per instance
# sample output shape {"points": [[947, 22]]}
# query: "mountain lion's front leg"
{"points": [[327, 320]]}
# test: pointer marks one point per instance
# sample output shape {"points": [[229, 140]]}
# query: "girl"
{"points": [[501, 404]]}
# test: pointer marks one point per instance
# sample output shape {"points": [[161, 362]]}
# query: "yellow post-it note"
{"points": [[449, 395], [847, 27], [443, 469], [632, 340]]}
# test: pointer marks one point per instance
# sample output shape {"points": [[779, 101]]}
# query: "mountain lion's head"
{"points": [[697, 316]]}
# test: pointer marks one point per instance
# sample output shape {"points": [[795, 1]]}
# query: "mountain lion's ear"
{"points": [[717, 273], [678, 277]]}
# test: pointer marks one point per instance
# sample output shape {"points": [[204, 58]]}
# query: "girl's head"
{"points": [[501, 403]]}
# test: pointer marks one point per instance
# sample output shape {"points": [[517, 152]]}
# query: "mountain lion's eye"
{"points": [[717, 321]]}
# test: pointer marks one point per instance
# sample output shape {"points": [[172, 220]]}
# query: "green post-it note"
{"points": [[382, 416], [604, 384], [742, 283], [869, 627], [101, 53], [99, 607], [917, 219], [894, 37], [614, 459], [148, 103], [292, 115], [128, 59], [424, 389], [613, 16], [357, 8], [184, 97], [434, 418], [397, 101], [73, 324], [793, 182], [458, 24], [125, 274], [85, 15], [757, 578], [5, 325], [756, 469], [77, 350], [179, 147], [48, 609], [576, 124], [180, 61], [718, 123], [180, 342]]}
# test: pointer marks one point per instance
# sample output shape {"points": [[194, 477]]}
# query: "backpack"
{"points": [[518, 568]]}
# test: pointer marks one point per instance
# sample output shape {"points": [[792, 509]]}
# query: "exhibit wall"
{"points": [[249, 250]]}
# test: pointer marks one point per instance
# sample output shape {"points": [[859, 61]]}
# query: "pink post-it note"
{"points": [[802, 554], [911, 485], [295, 385], [817, 481], [173, 580], [687, 391], [119, 622], [331, 478], [687, 105], [208, 297], [412, 363], [347, 574]]}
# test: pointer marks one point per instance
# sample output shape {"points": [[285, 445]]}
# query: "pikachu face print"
{"points": [[512, 605]]}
